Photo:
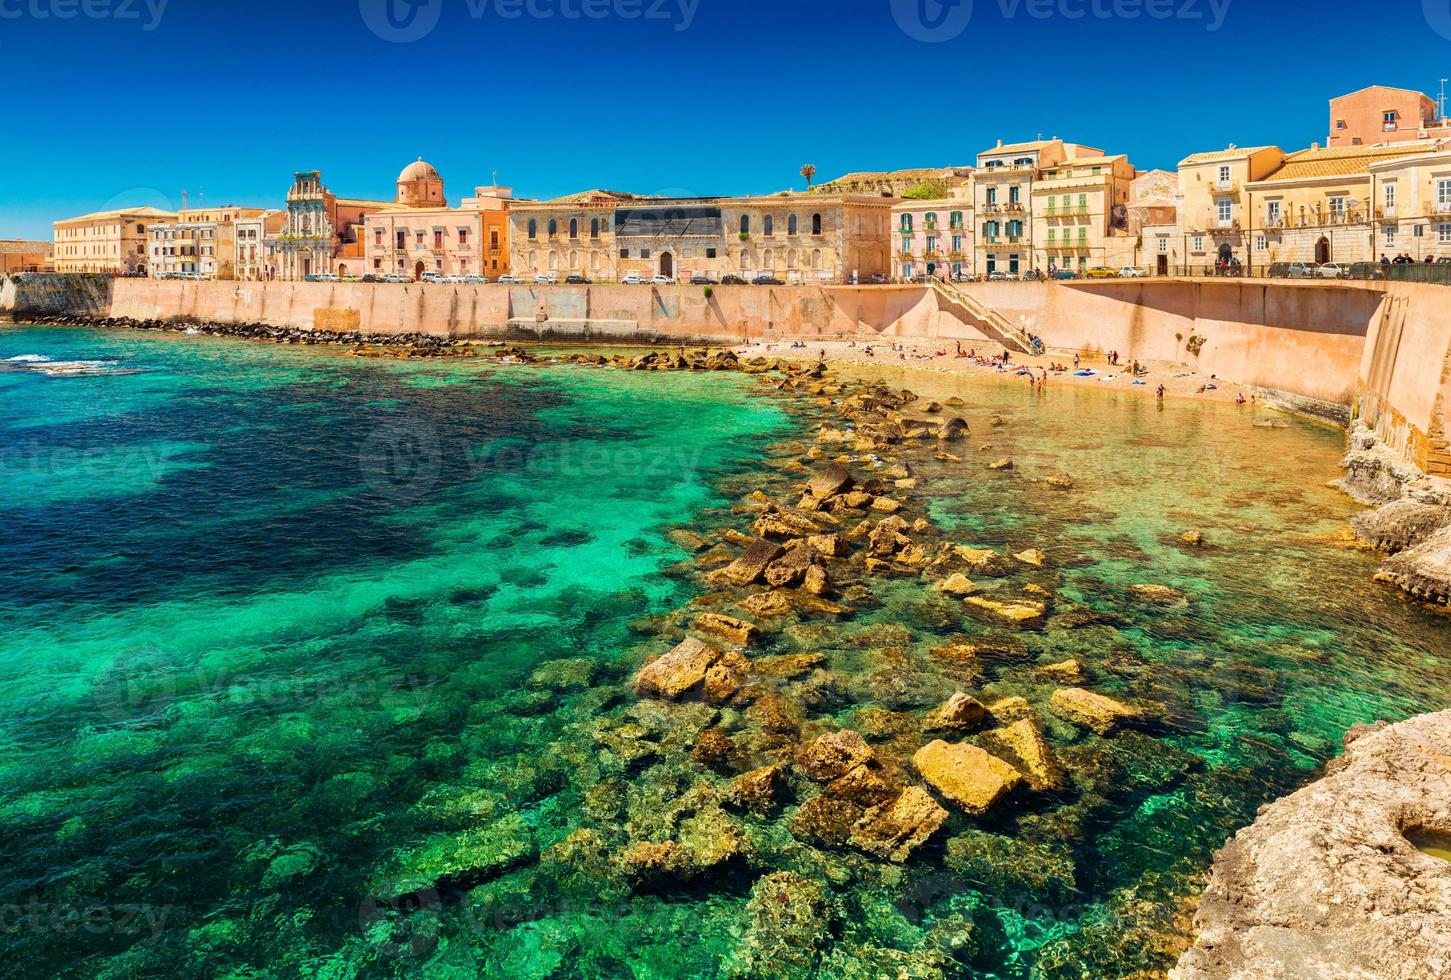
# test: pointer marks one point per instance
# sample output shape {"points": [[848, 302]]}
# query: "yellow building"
{"points": [[200, 242], [1080, 214], [1329, 204], [1413, 204], [107, 241], [1213, 206]]}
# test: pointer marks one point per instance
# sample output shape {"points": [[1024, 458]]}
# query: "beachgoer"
{"points": [[1161, 392]]}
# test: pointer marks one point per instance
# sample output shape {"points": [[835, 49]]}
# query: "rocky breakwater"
{"points": [[1410, 522], [358, 343], [1328, 882]]}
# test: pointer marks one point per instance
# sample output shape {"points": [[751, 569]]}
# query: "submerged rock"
{"points": [[728, 628], [825, 821], [891, 831], [961, 713], [790, 924], [1018, 613], [675, 673], [751, 565], [1101, 714], [966, 775], [1423, 571], [1025, 747], [833, 755]]}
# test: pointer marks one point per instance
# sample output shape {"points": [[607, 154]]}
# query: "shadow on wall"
{"points": [[1329, 309]]}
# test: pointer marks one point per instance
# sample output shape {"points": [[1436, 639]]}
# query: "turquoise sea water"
{"points": [[270, 620]]}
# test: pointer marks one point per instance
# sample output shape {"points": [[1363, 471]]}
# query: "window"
{"points": [[957, 243], [438, 239], [710, 253], [1340, 124], [931, 243], [745, 259], [906, 244], [533, 228], [1014, 193], [1388, 120], [907, 223], [745, 224], [1390, 198], [644, 253], [791, 225], [463, 236], [1198, 243], [1337, 208], [553, 228], [378, 237], [1443, 195], [418, 238], [1260, 243], [1226, 210], [1224, 173], [573, 229], [1272, 213], [768, 226], [956, 219], [1443, 233], [992, 195], [594, 228], [624, 253], [1164, 244], [1390, 234]]}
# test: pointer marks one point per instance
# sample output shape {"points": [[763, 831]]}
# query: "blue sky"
{"points": [[138, 99]]}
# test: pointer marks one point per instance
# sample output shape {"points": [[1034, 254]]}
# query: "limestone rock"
{"points": [[752, 564], [675, 673], [1010, 709], [891, 831], [966, 775], [827, 545], [790, 925], [1024, 746], [817, 582], [767, 605], [1001, 464], [958, 584], [728, 628], [1020, 614], [961, 713], [789, 664], [1101, 714], [1195, 539], [725, 677], [833, 755], [829, 482], [757, 790], [1162, 594], [825, 821], [1325, 882], [1423, 571], [1068, 670], [791, 568]]}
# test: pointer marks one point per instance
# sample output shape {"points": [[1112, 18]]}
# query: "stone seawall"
{"points": [[27, 294]]}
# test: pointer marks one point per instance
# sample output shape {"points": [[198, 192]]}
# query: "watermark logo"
{"points": [[932, 21], [401, 21], [134, 683], [402, 459], [147, 13], [1438, 16]]}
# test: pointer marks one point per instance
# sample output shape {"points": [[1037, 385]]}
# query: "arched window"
{"points": [[816, 224], [956, 219], [573, 227], [768, 226], [594, 260], [553, 260], [791, 225], [533, 260], [767, 260], [533, 228], [553, 228], [594, 228], [816, 259], [745, 224], [791, 259], [745, 259], [573, 260], [906, 222]]}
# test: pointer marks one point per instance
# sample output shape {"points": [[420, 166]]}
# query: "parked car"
{"points": [[877, 279], [766, 281], [632, 279], [474, 280], [373, 277], [576, 281], [1032, 275], [1278, 270], [546, 279], [449, 280], [1100, 272], [732, 281], [1066, 274], [1001, 276], [1366, 270], [510, 281], [1301, 270], [431, 277], [396, 277], [1133, 272], [699, 279], [1332, 270], [663, 281]]}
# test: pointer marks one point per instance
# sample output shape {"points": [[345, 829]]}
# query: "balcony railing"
{"points": [[1230, 186]]}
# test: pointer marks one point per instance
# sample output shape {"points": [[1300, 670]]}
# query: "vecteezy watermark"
{"points": [[146, 12], [406, 21], [936, 21], [1438, 16], [94, 918]]}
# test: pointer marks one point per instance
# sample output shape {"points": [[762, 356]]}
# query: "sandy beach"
{"points": [[1179, 380]]}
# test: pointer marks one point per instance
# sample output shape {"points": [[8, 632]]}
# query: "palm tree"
{"points": [[808, 171]]}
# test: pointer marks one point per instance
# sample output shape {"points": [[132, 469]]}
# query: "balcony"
{"points": [[1230, 186], [991, 208], [1226, 224]]}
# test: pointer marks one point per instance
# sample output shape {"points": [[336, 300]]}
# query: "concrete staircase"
{"points": [[993, 323]]}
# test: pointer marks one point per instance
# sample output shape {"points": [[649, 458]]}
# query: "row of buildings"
{"points": [[1381, 184]]}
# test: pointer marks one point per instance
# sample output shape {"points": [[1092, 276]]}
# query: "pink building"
{"points": [[1381, 114]]}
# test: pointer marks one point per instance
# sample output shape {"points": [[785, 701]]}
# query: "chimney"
{"points": [[1000, 142], [1315, 145]]}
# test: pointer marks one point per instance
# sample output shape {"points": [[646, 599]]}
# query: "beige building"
{"points": [[1412, 196], [19, 255], [107, 241], [1080, 214], [252, 234], [200, 242], [420, 233], [795, 237], [1214, 214]]}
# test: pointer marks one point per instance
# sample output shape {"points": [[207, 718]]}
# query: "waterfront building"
{"points": [[1080, 213], [1412, 195], [1382, 114], [323, 232], [113, 241], [200, 241], [795, 237], [1328, 204], [934, 237], [19, 255], [1153, 220], [1213, 209], [252, 234], [420, 233]]}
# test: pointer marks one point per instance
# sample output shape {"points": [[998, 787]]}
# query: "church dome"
{"points": [[418, 171]]}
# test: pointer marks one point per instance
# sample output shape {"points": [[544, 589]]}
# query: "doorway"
{"points": [[1322, 250], [418, 271], [1163, 265], [667, 265]]}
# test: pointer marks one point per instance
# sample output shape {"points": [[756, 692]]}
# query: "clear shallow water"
{"points": [[268, 617]]}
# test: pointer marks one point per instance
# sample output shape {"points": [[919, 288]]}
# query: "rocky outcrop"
{"points": [[1326, 884], [1423, 571], [966, 775]]}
